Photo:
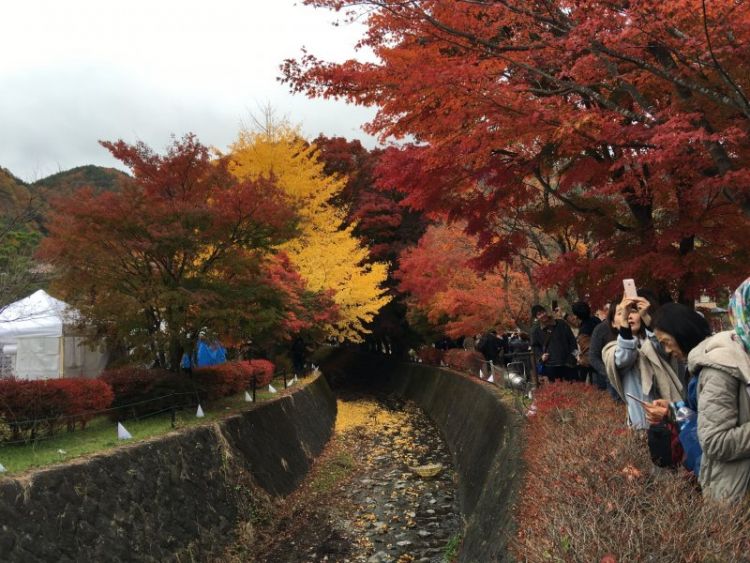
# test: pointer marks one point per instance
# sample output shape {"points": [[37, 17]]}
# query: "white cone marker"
{"points": [[481, 374], [271, 388], [122, 433], [2, 468], [199, 413], [295, 380], [248, 397], [491, 379]]}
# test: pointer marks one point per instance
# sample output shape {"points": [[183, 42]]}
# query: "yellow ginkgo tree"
{"points": [[325, 252]]}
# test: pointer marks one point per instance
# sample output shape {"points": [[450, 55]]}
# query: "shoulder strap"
{"points": [[547, 338]]}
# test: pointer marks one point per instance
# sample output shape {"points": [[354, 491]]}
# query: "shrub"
{"points": [[430, 355], [467, 361], [85, 398], [262, 372], [30, 407], [590, 492], [320, 354], [141, 391], [230, 378], [222, 380]]}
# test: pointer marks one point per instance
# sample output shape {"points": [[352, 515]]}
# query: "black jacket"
{"points": [[599, 338], [490, 345], [560, 343]]}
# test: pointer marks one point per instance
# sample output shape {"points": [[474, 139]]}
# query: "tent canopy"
{"points": [[38, 340], [38, 315]]}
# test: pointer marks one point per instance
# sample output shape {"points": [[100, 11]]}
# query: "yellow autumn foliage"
{"points": [[326, 253], [366, 413]]}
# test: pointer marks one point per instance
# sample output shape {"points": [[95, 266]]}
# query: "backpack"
{"points": [[584, 343], [689, 431]]}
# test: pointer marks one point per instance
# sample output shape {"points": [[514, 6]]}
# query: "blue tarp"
{"points": [[210, 354]]}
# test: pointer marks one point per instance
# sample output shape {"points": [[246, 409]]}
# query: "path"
{"points": [[361, 502]]}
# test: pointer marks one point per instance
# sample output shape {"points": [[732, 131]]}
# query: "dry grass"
{"points": [[591, 492]]}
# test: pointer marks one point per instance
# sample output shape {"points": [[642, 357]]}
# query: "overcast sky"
{"points": [[76, 71]]}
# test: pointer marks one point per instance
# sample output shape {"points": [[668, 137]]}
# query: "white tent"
{"points": [[38, 340]]}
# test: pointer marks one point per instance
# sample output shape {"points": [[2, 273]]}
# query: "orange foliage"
{"points": [[439, 278]]}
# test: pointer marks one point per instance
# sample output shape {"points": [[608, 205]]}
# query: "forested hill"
{"points": [[24, 208], [14, 193], [98, 177]]}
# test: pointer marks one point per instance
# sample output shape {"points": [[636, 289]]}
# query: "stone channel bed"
{"points": [[361, 502]]}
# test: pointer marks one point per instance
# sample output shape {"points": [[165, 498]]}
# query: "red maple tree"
{"points": [[377, 213], [619, 126]]}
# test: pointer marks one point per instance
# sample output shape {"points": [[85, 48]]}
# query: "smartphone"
{"points": [[641, 401], [629, 286]]}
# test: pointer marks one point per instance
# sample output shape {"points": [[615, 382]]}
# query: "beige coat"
{"points": [[723, 415], [658, 378]]}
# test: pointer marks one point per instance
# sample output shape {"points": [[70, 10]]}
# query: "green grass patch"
{"points": [[451, 548], [101, 433], [332, 471]]}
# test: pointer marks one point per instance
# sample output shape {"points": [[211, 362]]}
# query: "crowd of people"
{"points": [[686, 389]]}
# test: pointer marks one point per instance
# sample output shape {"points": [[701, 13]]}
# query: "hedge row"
{"points": [[430, 355], [467, 361], [233, 377], [144, 391], [141, 391], [30, 408]]}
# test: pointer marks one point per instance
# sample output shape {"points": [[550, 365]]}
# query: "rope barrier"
{"points": [[38, 439], [102, 411]]}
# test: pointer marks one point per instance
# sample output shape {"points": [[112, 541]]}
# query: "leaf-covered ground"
{"points": [[361, 502]]}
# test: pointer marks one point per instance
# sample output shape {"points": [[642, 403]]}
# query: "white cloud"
{"points": [[79, 71]]}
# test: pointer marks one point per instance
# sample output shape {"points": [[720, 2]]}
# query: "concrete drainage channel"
{"points": [[481, 432], [187, 495], [383, 491]]}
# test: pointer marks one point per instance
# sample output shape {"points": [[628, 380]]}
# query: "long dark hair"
{"points": [[687, 327]]}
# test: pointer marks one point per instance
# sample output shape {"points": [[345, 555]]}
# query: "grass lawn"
{"points": [[101, 433]]}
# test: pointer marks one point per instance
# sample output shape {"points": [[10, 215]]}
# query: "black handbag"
{"points": [[664, 444]]}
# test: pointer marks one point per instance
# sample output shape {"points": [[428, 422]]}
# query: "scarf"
{"points": [[739, 312]]}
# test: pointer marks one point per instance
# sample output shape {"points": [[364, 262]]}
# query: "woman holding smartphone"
{"points": [[636, 367]]}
